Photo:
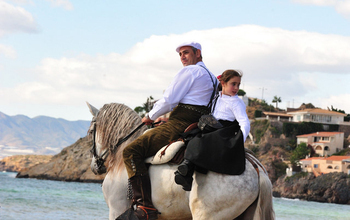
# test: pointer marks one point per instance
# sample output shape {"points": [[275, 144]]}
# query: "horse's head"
{"points": [[111, 130], [98, 155]]}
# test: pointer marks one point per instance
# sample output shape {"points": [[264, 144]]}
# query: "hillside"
{"points": [[40, 135]]}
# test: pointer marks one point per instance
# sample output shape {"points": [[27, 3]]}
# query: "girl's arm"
{"points": [[239, 111]]}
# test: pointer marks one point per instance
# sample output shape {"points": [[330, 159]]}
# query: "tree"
{"points": [[241, 92], [300, 152], [146, 107], [336, 110], [277, 100]]}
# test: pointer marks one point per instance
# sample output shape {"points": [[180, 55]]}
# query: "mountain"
{"points": [[40, 135]]}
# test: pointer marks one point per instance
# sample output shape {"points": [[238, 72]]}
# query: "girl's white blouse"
{"points": [[230, 108]]}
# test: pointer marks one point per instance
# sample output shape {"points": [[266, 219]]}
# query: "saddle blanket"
{"points": [[166, 153]]}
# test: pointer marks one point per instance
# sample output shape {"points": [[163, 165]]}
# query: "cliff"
{"points": [[19, 162], [330, 188], [71, 164]]}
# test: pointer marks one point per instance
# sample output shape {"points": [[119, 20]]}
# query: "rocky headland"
{"points": [[71, 164], [330, 188]]}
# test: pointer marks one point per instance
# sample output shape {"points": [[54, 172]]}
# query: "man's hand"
{"points": [[160, 121], [147, 120]]}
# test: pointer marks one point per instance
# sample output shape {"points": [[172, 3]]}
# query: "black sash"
{"points": [[221, 151]]}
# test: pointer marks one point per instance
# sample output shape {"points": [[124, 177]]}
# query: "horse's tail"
{"points": [[262, 208]]}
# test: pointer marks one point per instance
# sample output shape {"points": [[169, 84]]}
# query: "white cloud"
{"points": [[15, 19], [66, 4], [341, 6], [285, 63], [7, 51]]}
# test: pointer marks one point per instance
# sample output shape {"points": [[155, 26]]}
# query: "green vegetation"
{"points": [[280, 168], [257, 114], [261, 127], [343, 152], [299, 153], [292, 129], [275, 131], [296, 176], [276, 100], [241, 92], [146, 107]]}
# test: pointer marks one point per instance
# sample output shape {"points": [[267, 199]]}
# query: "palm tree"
{"points": [[277, 100]]}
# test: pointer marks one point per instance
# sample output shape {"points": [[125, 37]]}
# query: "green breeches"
{"points": [[152, 141]]}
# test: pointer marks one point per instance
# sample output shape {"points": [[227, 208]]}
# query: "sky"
{"points": [[56, 55]]}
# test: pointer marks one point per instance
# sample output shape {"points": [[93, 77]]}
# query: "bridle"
{"points": [[100, 160]]}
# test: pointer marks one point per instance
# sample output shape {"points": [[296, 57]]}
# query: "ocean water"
{"points": [[44, 199]]}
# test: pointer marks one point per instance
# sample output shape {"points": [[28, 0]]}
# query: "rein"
{"points": [[100, 160]]}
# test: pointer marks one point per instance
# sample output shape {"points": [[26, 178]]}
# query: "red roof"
{"points": [[312, 158], [338, 158]]}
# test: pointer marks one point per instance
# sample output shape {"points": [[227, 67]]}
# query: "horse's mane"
{"points": [[113, 122]]}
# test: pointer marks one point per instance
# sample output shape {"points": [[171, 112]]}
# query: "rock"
{"points": [[19, 162], [72, 164], [331, 187]]}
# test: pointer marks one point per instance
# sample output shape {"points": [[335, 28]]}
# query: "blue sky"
{"points": [[57, 54]]}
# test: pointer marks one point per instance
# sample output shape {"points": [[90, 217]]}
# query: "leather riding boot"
{"points": [[142, 197], [185, 167], [183, 175]]}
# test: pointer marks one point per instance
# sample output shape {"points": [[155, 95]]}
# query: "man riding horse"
{"points": [[187, 98]]}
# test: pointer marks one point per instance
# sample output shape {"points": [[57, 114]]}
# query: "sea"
{"points": [[45, 199]]}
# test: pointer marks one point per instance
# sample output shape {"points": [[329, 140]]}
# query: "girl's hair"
{"points": [[227, 75]]}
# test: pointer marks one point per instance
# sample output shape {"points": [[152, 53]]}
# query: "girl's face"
{"points": [[232, 86]]}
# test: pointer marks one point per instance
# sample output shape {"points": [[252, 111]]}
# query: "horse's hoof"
{"points": [[184, 181]]}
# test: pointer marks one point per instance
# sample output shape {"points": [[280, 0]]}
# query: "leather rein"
{"points": [[100, 160]]}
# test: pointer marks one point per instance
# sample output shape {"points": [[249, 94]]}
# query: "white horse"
{"points": [[213, 195]]}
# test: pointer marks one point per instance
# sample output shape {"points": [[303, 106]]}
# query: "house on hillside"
{"points": [[323, 165], [277, 116], [317, 115], [324, 143]]}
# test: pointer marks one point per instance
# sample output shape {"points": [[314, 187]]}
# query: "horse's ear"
{"points": [[94, 111]]}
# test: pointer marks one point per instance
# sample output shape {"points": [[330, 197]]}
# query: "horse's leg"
{"points": [[114, 189], [223, 196]]}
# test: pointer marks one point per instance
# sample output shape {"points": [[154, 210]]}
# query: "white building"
{"points": [[324, 143], [317, 115]]}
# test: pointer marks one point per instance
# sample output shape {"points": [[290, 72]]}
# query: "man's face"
{"points": [[188, 57]]}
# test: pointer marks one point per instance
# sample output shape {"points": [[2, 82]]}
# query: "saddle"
{"points": [[173, 152]]}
